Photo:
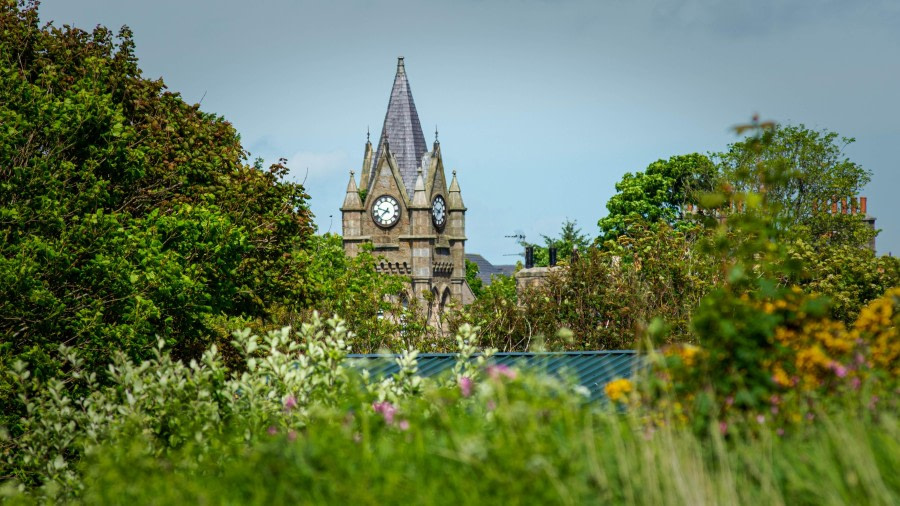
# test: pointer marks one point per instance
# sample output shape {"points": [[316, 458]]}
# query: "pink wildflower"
{"points": [[810, 416], [761, 418], [491, 405], [290, 402], [723, 428], [780, 431], [292, 435], [873, 402], [729, 400], [855, 383], [495, 371], [465, 386], [272, 430], [386, 409], [839, 370], [403, 425]]}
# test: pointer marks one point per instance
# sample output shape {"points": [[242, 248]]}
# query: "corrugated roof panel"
{"points": [[593, 369]]}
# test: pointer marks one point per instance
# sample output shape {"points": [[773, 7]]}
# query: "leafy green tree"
{"points": [[849, 276], [659, 194], [125, 212], [812, 172], [570, 239], [368, 301], [472, 278]]}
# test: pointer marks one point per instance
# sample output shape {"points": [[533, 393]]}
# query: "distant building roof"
{"points": [[485, 268], [402, 130], [592, 369]]}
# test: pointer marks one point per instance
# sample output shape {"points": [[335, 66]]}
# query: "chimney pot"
{"points": [[862, 205]]}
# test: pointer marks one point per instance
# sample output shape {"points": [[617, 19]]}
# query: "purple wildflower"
{"points": [[290, 402], [465, 386], [723, 428], [292, 435], [839, 370], [495, 371], [403, 424], [386, 409], [272, 430]]}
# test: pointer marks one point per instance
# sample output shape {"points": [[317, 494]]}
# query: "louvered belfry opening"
{"points": [[402, 130]]}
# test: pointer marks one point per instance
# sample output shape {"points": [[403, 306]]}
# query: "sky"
{"points": [[541, 105]]}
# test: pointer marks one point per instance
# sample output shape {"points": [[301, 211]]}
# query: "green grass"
{"points": [[557, 453]]}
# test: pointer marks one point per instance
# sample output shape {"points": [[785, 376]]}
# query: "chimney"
{"points": [[834, 206], [844, 205], [552, 251], [862, 206], [529, 257]]}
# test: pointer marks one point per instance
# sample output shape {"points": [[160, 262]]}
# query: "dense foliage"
{"points": [[136, 238], [659, 194], [299, 425], [603, 299], [126, 213]]}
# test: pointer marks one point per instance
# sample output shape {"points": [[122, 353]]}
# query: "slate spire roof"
{"points": [[402, 130]]}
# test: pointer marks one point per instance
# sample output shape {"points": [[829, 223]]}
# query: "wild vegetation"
{"points": [[160, 302]]}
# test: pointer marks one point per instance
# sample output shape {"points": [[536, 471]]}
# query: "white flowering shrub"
{"points": [[170, 404]]}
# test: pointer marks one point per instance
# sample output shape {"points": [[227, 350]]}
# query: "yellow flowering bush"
{"points": [[618, 390], [785, 356], [877, 325]]}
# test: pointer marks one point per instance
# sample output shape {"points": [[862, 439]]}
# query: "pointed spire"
{"points": [[402, 131], [419, 197], [367, 165], [455, 198], [351, 200]]}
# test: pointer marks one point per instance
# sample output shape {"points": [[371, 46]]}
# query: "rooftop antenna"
{"points": [[436, 135], [367, 134], [520, 237]]}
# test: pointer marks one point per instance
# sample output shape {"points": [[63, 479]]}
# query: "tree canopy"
{"points": [[660, 193], [125, 212]]}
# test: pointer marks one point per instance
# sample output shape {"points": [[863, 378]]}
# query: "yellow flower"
{"points": [[617, 390]]}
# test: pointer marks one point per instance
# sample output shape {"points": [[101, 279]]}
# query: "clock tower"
{"points": [[404, 207]]}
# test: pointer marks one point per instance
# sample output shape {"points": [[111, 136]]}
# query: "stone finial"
{"points": [[419, 197], [400, 68], [455, 197], [351, 200]]}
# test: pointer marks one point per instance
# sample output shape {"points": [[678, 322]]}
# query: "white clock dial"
{"points": [[439, 212], [385, 211]]}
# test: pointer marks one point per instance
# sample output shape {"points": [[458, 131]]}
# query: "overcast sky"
{"points": [[542, 105]]}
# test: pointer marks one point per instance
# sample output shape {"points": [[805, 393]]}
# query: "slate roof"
{"points": [[592, 369], [485, 268], [402, 130]]}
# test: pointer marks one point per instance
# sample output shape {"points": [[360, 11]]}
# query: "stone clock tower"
{"points": [[405, 208]]}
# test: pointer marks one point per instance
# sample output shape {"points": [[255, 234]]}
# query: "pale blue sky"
{"points": [[542, 105]]}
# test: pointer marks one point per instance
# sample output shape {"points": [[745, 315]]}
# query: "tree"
{"points": [[472, 278], [127, 214], [570, 239], [659, 194], [802, 172]]}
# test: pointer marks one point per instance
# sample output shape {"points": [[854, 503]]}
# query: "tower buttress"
{"points": [[456, 216], [351, 218], [421, 238]]}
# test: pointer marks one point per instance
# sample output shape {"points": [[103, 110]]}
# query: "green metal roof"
{"points": [[593, 369]]}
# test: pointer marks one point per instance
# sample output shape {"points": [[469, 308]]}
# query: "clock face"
{"points": [[439, 212], [385, 211]]}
